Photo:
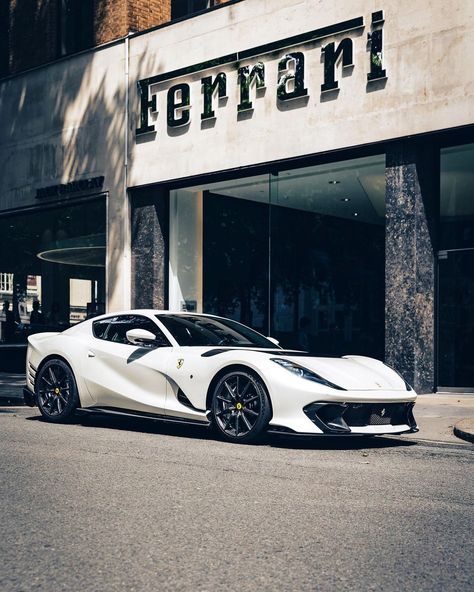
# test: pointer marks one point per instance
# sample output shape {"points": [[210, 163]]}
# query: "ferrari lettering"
{"points": [[250, 77]]}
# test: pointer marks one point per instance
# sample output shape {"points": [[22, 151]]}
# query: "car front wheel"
{"points": [[56, 391], [240, 406]]}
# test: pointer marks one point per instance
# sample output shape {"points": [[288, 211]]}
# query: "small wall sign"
{"points": [[81, 186]]}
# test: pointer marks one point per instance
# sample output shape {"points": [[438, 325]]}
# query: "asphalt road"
{"points": [[108, 505]]}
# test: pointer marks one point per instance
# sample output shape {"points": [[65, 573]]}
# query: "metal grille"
{"points": [[363, 414]]}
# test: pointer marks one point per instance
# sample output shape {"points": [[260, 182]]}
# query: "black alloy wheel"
{"points": [[56, 391], [240, 406]]}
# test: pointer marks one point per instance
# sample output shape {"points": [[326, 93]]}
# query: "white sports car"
{"points": [[208, 370]]}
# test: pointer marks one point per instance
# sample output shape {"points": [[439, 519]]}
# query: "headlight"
{"points": [[408, 386], [302, 372]]}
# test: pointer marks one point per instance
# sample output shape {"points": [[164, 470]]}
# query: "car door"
{"points": [[122, 375]]}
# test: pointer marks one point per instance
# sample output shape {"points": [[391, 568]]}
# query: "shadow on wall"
{"points": [[64, 122]]}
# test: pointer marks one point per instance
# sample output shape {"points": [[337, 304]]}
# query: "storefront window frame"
{"points": [[272, 170], [69, 202], [457, 137]]}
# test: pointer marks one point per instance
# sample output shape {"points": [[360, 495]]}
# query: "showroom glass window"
{"points": [[456, 269], [297, 254], [52, 265]]}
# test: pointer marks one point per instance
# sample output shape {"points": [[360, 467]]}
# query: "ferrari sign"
{"points": [[246, 71]]}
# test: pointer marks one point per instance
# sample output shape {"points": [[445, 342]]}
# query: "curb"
{"points": [[464, 430]]}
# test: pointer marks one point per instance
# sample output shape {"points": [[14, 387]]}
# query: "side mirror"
{"points": [[273, 340], [139, 336]]}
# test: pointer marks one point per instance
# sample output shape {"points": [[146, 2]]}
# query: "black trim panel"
{"points": [[301, 38], [273, 352], [142, 415], [183, 399], [342, 27]]}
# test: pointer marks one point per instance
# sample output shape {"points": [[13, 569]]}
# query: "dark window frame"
{"points": [[75, 23], [185, 8], [114, 318]]}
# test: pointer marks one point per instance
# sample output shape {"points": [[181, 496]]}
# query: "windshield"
{"points": [[210, 331]]}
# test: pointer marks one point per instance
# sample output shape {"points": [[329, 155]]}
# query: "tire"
{"points": [[240, 406], [56, 391]]}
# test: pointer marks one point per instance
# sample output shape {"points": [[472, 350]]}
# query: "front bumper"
{"points": [[290, 411], [362, 418]]}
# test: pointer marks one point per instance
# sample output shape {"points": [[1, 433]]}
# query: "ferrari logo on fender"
{"points": [[179, 363]]}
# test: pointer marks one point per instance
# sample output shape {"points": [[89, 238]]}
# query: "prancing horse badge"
{"points": [[179, 363]]}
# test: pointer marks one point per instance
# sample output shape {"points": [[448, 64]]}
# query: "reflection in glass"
{"points": [[456, 320], [189, 330], [327, 258], [236, 251], [456, 269], [457, 197], [185, 265], [298, 255], [52, 268]]}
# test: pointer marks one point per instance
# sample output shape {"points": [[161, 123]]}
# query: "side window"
{"points": [[118, 329], [180, 8], [140, 322], [120, 325], [99, 328]]}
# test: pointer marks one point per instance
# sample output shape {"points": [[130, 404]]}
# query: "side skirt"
{"points": [[140, 415], [283, 431]]}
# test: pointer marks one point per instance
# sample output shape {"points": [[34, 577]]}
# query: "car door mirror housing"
{"points": [[140, 336], [273, 340]]}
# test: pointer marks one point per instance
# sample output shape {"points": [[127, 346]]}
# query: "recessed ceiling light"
{"points": [[333, 182], [356, 213], [345, 199]]}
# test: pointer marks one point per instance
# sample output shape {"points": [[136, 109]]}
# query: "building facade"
{"points": [[303, 167]]}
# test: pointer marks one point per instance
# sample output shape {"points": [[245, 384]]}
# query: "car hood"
{"points": [[352, 372], [349, 372]]}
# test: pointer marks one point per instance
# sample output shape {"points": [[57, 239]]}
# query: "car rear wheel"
{"points": [[56, 391], [240, 406]]}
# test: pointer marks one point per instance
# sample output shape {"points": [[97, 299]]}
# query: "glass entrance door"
{"points": [[456, 269], [456, 319]]}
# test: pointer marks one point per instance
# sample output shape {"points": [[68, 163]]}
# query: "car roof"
{"points": [[150, 312]]}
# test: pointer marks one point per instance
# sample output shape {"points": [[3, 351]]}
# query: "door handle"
{"points": [[90, 354]]}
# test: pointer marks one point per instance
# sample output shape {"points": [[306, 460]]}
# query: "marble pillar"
{"points": [[412, 186], [150, 228]]}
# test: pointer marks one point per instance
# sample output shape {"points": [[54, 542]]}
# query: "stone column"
{"points": [[150, 230], [412, 190]]}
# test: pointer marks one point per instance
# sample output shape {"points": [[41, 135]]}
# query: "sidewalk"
{"points": [[440, 417], [438, 414], [11, 388]]}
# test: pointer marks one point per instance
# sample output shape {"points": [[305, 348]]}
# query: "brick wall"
{"points": [[144, 15], [110, 20], [29, 29]]}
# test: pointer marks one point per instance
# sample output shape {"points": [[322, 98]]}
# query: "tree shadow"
{"points": [[67, 121]]}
